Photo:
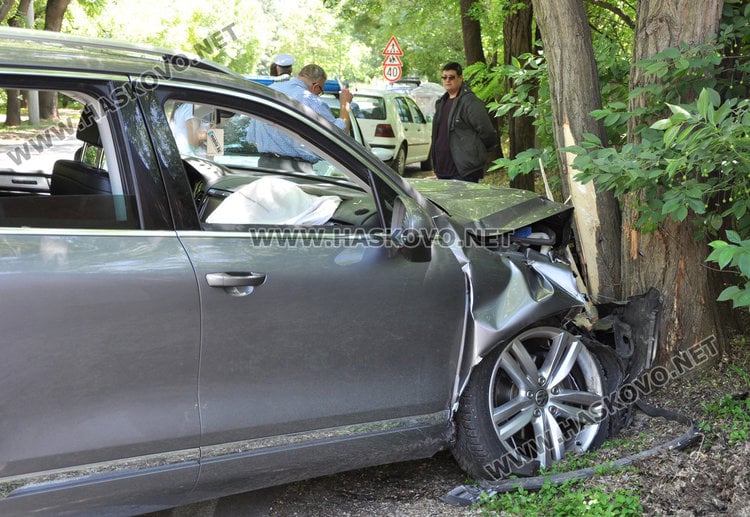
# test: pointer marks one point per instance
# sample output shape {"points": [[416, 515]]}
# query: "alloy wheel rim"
{"points": [[545, 396]]}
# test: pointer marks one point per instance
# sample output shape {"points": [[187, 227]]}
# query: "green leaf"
{"points": [[744, 264], [743, 300], [702, 103], [661, 124], [679, 110], [728, 293], [671, 53], [714, 97], [734, 237], [697, 205], [725, 256], [611, 119], [591, 137], [671, 205], [670, 134], [715, 221]]}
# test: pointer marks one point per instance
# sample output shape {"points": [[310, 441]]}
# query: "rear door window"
{"points": [[62, 173]]}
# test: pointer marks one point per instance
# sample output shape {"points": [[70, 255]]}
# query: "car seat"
{"points": [[74, 177]]}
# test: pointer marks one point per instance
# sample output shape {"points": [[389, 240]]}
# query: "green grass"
{"points": [[728, 418], [572, 498], [569, 499]]}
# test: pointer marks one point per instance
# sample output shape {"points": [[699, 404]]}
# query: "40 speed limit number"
{"points": [[392, 72]]}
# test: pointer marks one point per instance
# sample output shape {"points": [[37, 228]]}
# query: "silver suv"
{"points": [[187, 314]]}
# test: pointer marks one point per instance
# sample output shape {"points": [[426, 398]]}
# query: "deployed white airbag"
{"points": [[274, 201]]}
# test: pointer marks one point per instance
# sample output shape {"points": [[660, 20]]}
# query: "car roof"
{"points": [[380, 93], [46, 49], [332, 86]]}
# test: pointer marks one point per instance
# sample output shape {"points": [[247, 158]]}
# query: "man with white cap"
{"points": [[282, 65]]}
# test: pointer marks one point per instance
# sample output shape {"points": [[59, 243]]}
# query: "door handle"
{"points": [[235, 279]]}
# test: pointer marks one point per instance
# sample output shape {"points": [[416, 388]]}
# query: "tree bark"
{"points": [[517, 40], [54, 13], [575, 93], [472, 35], [19, 19], [5, 8], [670, 258], [13, 110]]}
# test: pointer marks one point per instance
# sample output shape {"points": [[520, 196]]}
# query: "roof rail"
{"points": [[163, 54]]}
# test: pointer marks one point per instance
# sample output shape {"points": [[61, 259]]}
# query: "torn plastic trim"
{"points": [[632, 328], [467, 495]]}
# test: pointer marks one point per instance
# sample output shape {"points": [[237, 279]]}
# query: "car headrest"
{"points": [[72, 178]]}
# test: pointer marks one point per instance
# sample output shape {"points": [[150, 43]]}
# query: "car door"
{"points": [[99, 313], [417, 130], [305, 328]]}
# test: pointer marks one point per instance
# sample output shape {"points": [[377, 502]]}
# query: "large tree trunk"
{"points": [[517, 40], [670, 258], [472, 35], [574, 90], [52, 22]]}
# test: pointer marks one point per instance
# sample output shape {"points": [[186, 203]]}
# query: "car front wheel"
{"points": [[528, 404]]}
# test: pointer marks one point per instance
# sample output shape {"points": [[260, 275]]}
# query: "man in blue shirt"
{"points": [[306, 88]]}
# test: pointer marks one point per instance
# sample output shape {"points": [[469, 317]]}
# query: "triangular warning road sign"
{"points": [[392, 48], [392, 59]]}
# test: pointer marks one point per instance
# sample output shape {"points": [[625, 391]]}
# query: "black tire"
{"points": [[427, 164], [512, 420], [398, 163]]}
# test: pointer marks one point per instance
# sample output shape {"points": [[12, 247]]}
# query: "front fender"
{"points": [[509, 292]]}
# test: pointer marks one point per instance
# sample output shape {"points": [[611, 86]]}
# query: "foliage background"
{"points": [[345, 37]]}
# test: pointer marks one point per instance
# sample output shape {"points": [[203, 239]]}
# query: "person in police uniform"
{"points": [[282, 65]]}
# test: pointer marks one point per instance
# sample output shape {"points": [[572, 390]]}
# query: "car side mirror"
{"points": [[411, 230]]}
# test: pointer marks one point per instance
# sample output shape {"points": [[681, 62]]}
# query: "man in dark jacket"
{"points": [[462, 132]]}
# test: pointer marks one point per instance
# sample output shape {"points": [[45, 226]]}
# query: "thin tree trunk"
{"points": [[13, 110], [472, 35], [517, 40], [574, 90], [5, 8], [670, 258], [53, 19]]}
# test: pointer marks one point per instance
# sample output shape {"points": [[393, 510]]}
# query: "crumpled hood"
{"points": [[488, 207]]}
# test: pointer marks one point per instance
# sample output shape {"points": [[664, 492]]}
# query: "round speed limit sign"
{"points": [[392, 72]]}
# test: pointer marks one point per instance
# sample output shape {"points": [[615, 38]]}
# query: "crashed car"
{"points": [[187, 314]]}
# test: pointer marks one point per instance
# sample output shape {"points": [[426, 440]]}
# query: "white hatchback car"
{"points": [[393, 121]]}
